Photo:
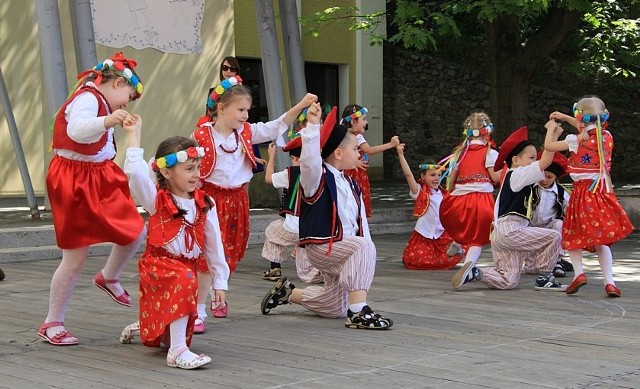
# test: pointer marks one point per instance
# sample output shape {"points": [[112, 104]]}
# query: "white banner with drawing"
{"points": [[171, 26]]}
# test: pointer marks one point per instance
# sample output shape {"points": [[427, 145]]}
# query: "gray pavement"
{"points": [[472, 338]]}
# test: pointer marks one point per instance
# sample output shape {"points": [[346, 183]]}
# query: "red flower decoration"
{"points": [[192, 152], [119, 66], [119, 57]]}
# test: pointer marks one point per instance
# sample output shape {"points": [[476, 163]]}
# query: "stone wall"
{"points": [[427, 99]]}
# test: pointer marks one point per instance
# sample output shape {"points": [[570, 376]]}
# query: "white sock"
{"points": [[473, 254], [576, 261], [357, 307], [202, 311], [178, 330], [606, 263]]}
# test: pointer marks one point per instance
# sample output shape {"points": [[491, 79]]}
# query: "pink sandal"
{"points": [[101, 282], [62, 338], [219, 311]]}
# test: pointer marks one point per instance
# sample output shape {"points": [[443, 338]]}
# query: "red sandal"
{"points": [[101, 282], [62, 338]]}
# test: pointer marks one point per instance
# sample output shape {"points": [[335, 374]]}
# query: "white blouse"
{"points": [[233, 170], [144, 190]]}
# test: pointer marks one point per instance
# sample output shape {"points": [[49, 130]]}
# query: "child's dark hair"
{"points": [[170, 146], [349, 110], [108, 75], [516, 151]]}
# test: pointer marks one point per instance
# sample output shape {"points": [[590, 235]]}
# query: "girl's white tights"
{"points": [[178, 331], [473, 253], [66, 276], [604, 258]]}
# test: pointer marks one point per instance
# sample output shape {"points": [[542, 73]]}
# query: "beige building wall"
{"points": [[175, 85]]}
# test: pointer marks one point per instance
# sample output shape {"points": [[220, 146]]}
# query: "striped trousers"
{"points": [[349, 267], [515, 244], [277, 241]]}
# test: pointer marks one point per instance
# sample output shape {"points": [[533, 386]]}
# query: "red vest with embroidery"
{"points": [[204, 137], [471, 169], [585, 159], [61, 139], [424, 200], [166, 224]]}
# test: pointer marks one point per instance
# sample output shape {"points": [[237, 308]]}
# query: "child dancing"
{"points": [[227, 167], [429, 244], [283, 233], [183, 228], [467, 213], [333, 229], [354, 117], [514, 242], [90, 200], [594, 216]]}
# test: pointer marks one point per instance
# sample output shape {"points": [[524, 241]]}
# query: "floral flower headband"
{"points": [[588, 118], [430, 166], [122, 67], [221, 88], [356, 115], [181, 156], [486, 129]]}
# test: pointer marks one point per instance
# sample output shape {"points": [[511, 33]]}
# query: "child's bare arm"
{"points": [[372, 150], [406, 170], [271, 164]]}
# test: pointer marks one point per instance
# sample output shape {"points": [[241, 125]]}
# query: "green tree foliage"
{"points": [[511, 37]]}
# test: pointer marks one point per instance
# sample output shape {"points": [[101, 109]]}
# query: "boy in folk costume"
{"points": [[333, 229], [514, 242], [283, 233], [553, 202]]}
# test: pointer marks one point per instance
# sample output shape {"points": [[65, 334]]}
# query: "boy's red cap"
{"points": [[331, 133], [558, 165], [518, 136], [293, 144]]}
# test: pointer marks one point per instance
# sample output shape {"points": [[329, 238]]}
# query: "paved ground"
{"points": [[474, 338]]}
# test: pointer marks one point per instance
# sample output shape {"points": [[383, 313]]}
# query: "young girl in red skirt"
{"points": [[594, 216], [355, 118], [429, 245], [183, 229], [89, 194], [467, 213], [227, 166]]}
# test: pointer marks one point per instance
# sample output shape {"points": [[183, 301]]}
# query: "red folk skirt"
{"points": [[428, 254], [168, 292], [593, 219], [467, 218], [91, 203], [362, 178], [233, 216]]}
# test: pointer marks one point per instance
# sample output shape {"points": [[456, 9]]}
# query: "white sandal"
{"points": [[127, 334], [176, 360]]}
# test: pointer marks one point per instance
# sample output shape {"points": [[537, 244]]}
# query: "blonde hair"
{"points": [[590, 105], [476, 120]]}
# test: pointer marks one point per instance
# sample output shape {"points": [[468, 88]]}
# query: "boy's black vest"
{"points": [[319, 219], [287, 206], [524, 202]]}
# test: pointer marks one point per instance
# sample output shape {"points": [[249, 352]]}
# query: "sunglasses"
{"points": [[226, 68]]}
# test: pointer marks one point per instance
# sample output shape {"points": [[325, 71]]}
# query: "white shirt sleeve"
{"points": [[365, 224], [572, 141], [214, 252], [310, 159], [490, 161], [280, 179], [84, 124], [526, 175], [360, 139], [143, 189], [269, 131]]}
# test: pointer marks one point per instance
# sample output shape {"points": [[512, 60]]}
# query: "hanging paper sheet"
{"points": [[171, 26]]}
